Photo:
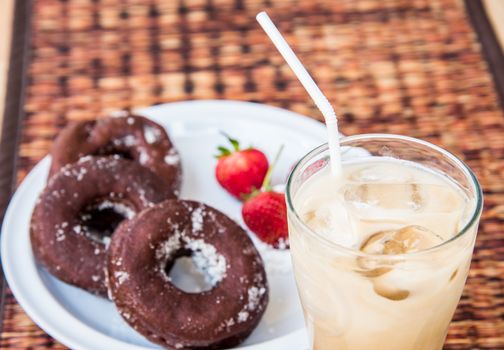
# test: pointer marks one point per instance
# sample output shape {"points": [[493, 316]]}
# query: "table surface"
{"points": [[396, 66]]}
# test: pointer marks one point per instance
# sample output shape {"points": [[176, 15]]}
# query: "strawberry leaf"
{"points": [[223, 152], [234, 142]]}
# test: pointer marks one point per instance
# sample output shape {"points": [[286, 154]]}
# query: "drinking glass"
{"points": [[344, 291]]}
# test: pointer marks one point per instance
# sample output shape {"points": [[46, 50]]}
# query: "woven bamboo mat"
{"points": [[397, 66]]}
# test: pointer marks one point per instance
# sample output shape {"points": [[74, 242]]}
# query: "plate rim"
{"points": [[75, 339]]}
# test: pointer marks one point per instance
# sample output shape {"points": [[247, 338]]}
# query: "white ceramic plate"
{"points": [[83, 321]]}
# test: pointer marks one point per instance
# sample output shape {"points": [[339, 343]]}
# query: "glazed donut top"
{"points": [[129, 136], [81, 207], [145, 248]]}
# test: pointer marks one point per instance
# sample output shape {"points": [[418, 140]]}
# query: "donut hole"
{"points": [[115, 150], [100, 218], [191, 264], [184, 274]]}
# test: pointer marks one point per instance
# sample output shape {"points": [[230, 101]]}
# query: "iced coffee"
{"points": [[381, 253]]}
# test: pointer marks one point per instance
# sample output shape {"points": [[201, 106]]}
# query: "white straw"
{"points": [[313, 90]]}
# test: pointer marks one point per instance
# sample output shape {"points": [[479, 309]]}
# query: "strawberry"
{"points": [[240, 171], [265, 214]]}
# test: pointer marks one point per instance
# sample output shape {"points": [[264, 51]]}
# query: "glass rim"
{"points": [[324, 147]]}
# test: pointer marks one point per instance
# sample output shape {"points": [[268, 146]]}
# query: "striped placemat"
{"points": [[411, 67]]}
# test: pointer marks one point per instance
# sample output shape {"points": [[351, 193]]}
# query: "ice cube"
{"points": [[318, 220], [412, 197], [380, 173], [390, 282], [384, 196], [407, 278], [439, 208], [369, 268], [329, 218], [389, 291], [408, 239]]}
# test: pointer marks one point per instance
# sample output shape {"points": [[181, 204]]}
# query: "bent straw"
{"points": [[313, 90]]}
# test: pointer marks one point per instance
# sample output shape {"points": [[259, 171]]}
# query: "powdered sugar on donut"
{"points": [[254, 297], [151, 134], [253, 304], [129, 140], [83, 160], [207, 260], [197, 219], [119, 208], [121, 277], [205, 256], [242, 316], [143, 158], [119, 114], [77, 173], [172, 158], [168, 248], [60, 235]]}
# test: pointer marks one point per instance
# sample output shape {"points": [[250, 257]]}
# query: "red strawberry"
{"points": [[265, 214], [240, 171]]}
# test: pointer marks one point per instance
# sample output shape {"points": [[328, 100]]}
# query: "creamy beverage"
{"points": [[378, 253]]}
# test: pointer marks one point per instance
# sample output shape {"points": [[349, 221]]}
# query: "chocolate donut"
{"points": [[81, 207], [144, 249], [129, 136]]}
